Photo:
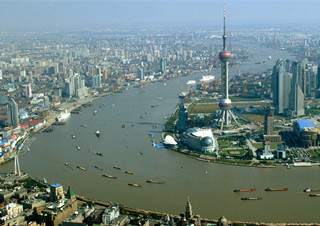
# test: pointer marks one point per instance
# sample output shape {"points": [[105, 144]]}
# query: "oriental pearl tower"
{"points": [[225, 103]]}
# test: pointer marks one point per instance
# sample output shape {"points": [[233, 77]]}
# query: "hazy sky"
{"points": [[48, 15]]}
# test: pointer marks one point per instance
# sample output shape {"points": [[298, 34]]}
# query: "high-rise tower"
{"points": [[225, 103]]}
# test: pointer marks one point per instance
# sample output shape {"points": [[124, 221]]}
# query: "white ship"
{"points": [[207, 78], [63, 116]]}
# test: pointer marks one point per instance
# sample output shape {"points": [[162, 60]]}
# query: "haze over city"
{"points": [[64, 15]]}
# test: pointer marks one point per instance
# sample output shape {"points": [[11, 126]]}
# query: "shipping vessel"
{"points": [[128, 172], [155, 182], [117, 167], [99, 153], [134, 185], [271, 189], [63, 116], [78, 147], [82, 168], [244, 190], [98, 167], [252, 198], [109, 176], [314, 195]]}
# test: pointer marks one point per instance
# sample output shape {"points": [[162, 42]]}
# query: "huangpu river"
{"points": [[210, 186]]}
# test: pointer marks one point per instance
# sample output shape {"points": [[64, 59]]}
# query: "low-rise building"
{"points": [[200, 139]]}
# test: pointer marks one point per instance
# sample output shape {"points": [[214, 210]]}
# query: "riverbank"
{"points": [[155, 215]]}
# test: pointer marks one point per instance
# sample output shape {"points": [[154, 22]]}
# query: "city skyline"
{"points": [[37, 15]]}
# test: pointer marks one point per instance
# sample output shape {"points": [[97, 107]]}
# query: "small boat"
{"points": [[141, 152], [253, 198], [281, 189], [314, 195], [73, 136], [98, 133], [123, 126], [134, 185], [102, 105], [98, 167], [155, 182], [82, 168], [67, 164], [99, 153], [109, 176], [128, 172], [83, 125], [244, 190], [307, 190], [95, 112], [117, 167], [78, 147]]}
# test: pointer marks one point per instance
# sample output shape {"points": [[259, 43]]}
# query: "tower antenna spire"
{"points": [[224, 28]]}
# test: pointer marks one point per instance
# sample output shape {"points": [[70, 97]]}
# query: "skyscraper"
{"points": [[225, 103], [281, 86], [28, 91], [296, 96], [141, 72], [163, 65], [268, 120], [182, 124], [13, 116]]}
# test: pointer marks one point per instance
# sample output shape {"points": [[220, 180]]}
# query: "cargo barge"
{"points": [[82, 168], [254, 198], [244, 190], [109, 176], [135, 185], [155, 182], [271, 189]]}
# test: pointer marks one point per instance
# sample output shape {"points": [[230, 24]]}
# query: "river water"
{"points": [[210, 186]]}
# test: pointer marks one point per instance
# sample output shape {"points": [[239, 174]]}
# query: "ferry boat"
{"points": [[155, 182], [128, 172], [134, 185], [98, 167], [63, 116], [98, 133], [307, 190], [117, 167], [244, 190], [270, 189], [99, 153], [78, 147], [109, 176], [82, 168], [252, 198]]}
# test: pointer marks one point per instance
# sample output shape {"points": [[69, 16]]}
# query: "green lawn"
{"points": [[260, 145]]}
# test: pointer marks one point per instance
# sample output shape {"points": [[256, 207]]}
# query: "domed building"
{"points": [[200, 139]]}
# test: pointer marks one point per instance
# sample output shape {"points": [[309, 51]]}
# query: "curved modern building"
{"points": [[200, 139]]}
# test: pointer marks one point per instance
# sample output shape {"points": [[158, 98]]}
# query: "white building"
{"points": [[200, 140], [110, 214], [14, 209]]}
